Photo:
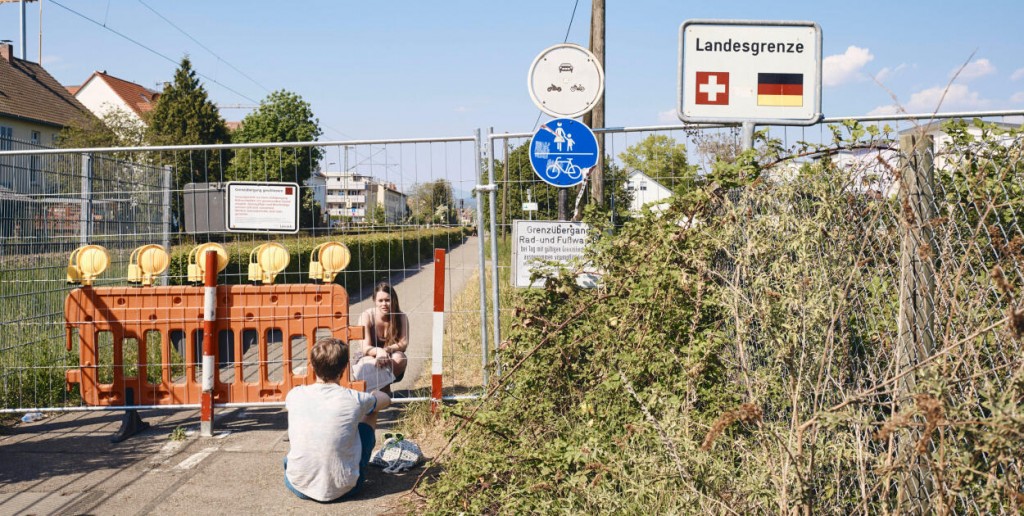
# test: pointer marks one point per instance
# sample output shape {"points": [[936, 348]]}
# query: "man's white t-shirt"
{"points": [[323, 431]]}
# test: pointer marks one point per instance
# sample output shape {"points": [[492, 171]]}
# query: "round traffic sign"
{"points": [[565, 80], [562, 150]]}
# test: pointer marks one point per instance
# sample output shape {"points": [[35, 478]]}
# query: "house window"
{"points": [[33, 174], [6, 135]]}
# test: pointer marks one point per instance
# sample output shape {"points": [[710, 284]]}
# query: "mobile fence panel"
{"points": [[392, 203]]}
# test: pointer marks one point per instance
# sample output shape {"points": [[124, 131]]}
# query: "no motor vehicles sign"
{"points": [[736, 71]]}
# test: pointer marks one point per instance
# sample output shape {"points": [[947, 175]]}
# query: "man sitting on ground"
{"points": [[330, 429]]}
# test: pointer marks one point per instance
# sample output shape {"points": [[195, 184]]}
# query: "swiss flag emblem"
{"points": [[713, 88]]}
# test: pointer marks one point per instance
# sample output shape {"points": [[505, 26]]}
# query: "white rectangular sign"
{"points": [[529, 206], [533, 240], [737, 71], [254, 207]]}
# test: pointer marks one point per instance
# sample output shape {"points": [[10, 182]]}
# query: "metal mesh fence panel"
{"points": [[391, 202]]}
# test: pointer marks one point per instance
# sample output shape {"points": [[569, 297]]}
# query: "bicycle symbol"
{"points": [[558, 167]]}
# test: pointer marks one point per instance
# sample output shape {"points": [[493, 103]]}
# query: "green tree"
{"points": [[116, 128], [184, 115], [663, 160], [433, 202], [379, 216], [518, 183], [282, 116]]}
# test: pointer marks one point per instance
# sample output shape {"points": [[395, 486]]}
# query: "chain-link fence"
{"points": [[871, 276]]}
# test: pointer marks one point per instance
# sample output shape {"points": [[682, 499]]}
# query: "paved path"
{"points": [[66, 464]]}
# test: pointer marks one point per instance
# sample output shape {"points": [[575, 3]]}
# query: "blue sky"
{"points": [[445, 68]]}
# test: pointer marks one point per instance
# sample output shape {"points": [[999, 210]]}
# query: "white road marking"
{"points": [[170, 448], [195, 458]]}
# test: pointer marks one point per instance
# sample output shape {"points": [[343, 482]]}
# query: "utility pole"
{"points": [[595, 118]]}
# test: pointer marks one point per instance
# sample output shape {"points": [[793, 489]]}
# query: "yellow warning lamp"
{"points": [[330, 259], [270, 259], [197, 260], [146, 262], [87, 262]]}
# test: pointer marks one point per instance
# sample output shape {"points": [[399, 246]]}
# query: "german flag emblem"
{"points": [[780, 89]]}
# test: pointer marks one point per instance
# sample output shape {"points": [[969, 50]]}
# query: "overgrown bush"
{"points": [[744, 354]]}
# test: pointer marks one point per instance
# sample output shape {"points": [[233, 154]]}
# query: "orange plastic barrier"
{"points": [[282, 321]]}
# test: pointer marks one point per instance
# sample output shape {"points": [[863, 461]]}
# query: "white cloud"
{"points": [[974, 69], [957, 97], [887, 73], [1018, 74], [668, 116], [884, 110], [844, 67], [1017, 97], [461, 109]]}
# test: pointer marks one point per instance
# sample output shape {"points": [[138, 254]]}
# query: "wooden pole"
{"points": [[917, 298], [595, 118]]}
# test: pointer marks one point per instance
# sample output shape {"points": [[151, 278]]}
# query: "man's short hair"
{"points": [[329, 358]]}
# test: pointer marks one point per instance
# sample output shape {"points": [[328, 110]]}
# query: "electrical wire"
{"points": [[140, 44], [566, 40], [189, 36]]}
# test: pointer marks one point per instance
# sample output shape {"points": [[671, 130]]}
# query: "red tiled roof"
{"points": [[137, 97], [73, 89], [27, 91]]}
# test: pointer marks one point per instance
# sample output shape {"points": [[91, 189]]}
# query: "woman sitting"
{"points": [[387, 332]]}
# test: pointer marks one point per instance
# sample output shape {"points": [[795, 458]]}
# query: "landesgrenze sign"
{"points": [[737, 71]]}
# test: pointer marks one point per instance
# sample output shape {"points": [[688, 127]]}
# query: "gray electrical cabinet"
{"points": [[204, 208]]}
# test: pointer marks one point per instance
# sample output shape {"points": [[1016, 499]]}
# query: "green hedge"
{"points": [[374, 256]]}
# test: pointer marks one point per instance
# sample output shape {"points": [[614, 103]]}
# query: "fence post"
{"points": [[85, 223], [166, 217], [495, 279], [480, 190], [917, 291], [437, 350], [209, 343]]}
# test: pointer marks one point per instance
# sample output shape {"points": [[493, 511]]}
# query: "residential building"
{"points": [[395, 203], [872, 170], [103, 93], [34, 107], [645, 190], [353, 197]]}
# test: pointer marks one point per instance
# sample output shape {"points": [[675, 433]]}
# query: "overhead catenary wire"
{"points": [[150, 49], [204, 47]]}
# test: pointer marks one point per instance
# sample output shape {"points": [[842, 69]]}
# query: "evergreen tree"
{"points": [[184, 115]]}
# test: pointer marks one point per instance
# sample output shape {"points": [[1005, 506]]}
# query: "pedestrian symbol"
{"points": [[562, 150]]}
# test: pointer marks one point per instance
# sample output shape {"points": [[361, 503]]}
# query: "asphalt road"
{"points": [[65, 464]]}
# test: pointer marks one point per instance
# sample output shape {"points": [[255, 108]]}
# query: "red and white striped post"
{"points": [[209, 343], [437, 357]]}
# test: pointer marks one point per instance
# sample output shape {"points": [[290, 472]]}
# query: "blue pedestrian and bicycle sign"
{"points": [[562, 150]]}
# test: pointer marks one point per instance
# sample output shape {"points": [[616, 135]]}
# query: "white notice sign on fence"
{"points": [[544, 240], [262, 207]]}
